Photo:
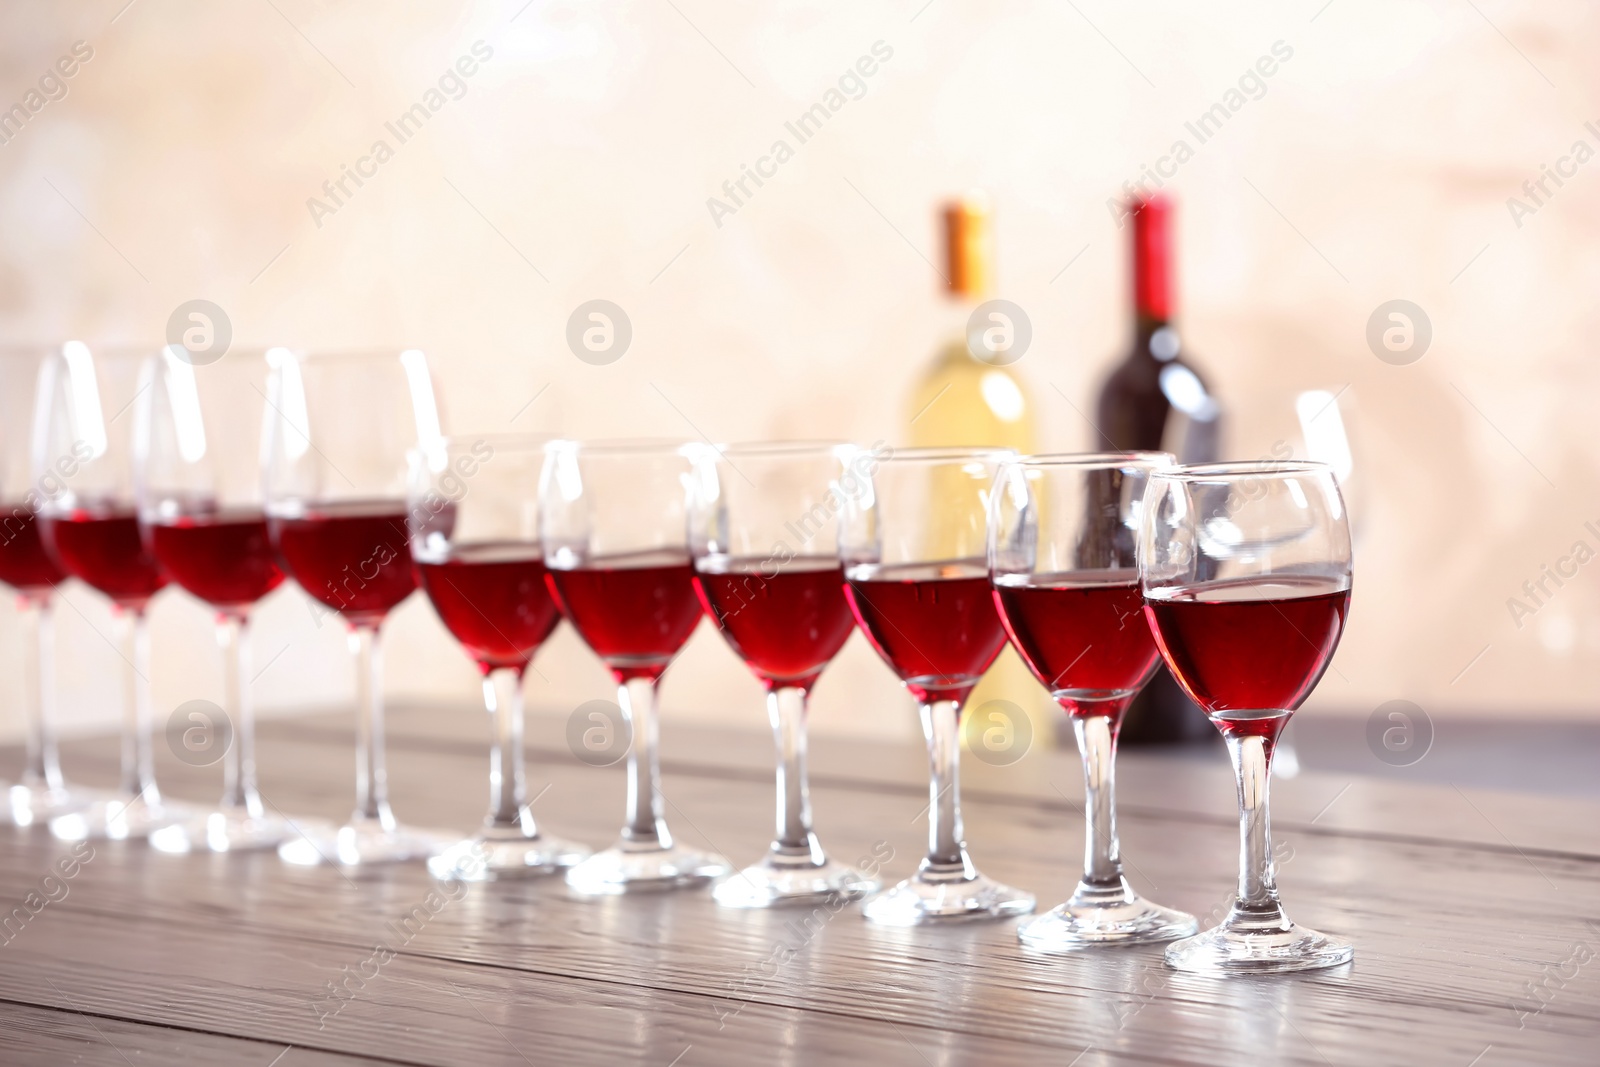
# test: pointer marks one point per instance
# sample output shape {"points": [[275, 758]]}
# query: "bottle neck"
{"points": [[1153, 262], [1152, 289], [1146, 324], [1155, 338], [955, 311]]}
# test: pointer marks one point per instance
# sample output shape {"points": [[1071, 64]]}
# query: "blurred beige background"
{"points": [[1376, 164]]}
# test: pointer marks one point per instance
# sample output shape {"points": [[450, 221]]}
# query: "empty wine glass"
{"points": [[339, 428], [91, 528], [198, 471], [615, 532], [27, 568], [475, 540], [764, 533], [1062, 543], [914, 547], [1245, 569]]}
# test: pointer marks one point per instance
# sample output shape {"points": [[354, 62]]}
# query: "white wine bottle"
{"points": [[962, 399]]}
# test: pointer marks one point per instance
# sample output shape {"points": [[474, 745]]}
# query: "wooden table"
{"points": [[1476, 918]]}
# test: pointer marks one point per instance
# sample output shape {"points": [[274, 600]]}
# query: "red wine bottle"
{"points": [[1157, 399]]}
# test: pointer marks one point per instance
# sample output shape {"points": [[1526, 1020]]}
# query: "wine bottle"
{"points": [[963, 399], [972, 396], [1157, 399]]}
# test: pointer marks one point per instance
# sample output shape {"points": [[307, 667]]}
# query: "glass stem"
{"points": [[1097, 741], [39, 693], [947, 847], [795, 841], [645, 828], [138, 762], [372, 783], [239, 762], [1258, 888], [508, 787]]}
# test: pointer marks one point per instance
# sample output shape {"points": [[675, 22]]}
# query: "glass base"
{"points": [[625, 868], [35, 805], [1101, 916], [1242, 945], [118, 818], [775, 883], [937, 894], [361, 843], [491, 856], [226, 830]]}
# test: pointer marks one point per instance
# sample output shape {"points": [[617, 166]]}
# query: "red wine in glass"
{"points": [[24, 563], [1083, 634], [352, 556], [225, 558], [635, 610], [786, 617], [1249, 651], [1246, 572], [482, 566], [84, 465], [102, 547], [341, 433], [40, 793], [915, 550], [785, 620], [934, 623], [1067, 586], [615, 524], [494, 599], [26, 567]]}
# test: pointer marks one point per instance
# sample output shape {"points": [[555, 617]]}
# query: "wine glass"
{"points": [[914, 549], [475, 541], [27, 568], [1327, 430], [763, 529], [1245, 569], [91, 528], [1062, 543], [338, 429], [198, 476], [615, 532]]}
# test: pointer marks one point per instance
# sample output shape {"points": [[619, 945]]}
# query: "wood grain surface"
{"points": [[1476, 918]]}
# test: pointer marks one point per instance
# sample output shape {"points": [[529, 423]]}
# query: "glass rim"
{"points": [[120, 350], [112, 349], [341, 354], [628, 446], [811, 446], [1096, 460], [1238, 469], [252, 349], [949, 454], [508, 439]]}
